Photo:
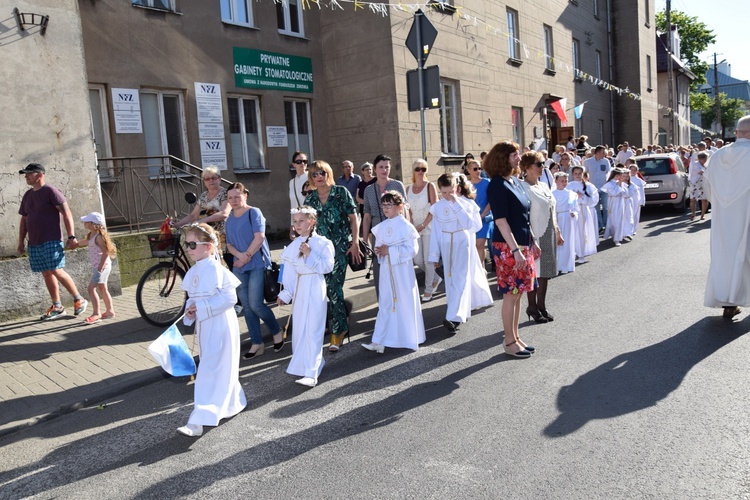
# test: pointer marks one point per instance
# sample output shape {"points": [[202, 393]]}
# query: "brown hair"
{"points": [[325, 167], [528, 159], [239, 187], [497, 161], [464, 186]]}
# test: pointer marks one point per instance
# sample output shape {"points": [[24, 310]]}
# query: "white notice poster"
{"points": [[214, 152], [276, 137], [126, 107], [208, 101], [211, 125]]}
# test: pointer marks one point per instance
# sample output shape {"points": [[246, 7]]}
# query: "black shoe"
{"points": [[547, 315], [451, 326], [538, 318], [278, 347]]}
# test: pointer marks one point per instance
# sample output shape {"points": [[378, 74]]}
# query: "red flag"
{"points": [[559, 107]]}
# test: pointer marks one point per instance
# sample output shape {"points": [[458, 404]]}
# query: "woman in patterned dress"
{"points": [[335, 207]]}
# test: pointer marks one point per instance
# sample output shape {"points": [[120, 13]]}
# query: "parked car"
{"points": [[666, 179]]}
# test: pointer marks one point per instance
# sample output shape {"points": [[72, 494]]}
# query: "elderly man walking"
{"points": [[727, 186], [41, 208]]}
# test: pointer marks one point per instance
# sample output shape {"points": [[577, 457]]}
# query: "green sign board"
{"points": [[258, 69]]}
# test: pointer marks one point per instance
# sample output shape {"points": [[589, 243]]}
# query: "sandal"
{"points": [[108, 316], [92, 319]]}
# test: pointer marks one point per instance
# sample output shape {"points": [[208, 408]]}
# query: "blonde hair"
{"points": [[205, 233], [419, 163], [109, 246], [325, 167], [210, 170]]}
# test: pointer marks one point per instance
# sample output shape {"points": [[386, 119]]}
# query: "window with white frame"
{"points": [[449, 118], [169, 5], [549, 49], [514, 42], [648, 73], [163, 115], [577, 57], [238, 12], [516, 121], [298, 128], [100, 127], [598, 64], [289, 18], [647, 9], [245, 139]]}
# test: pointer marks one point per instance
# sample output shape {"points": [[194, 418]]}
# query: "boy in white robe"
{"points": [[212, 295], [399, 322], [566, 207], [616, 193], [454, 220], [587, 236], [306, 261]]}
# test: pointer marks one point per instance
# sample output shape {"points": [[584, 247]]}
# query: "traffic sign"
{"points": [[430, 88], [425, 37]]}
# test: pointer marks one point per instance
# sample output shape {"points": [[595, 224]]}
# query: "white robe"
{"points": [[615, 211], [566, 203], [305, 288], [453, 224], [218, 392], [481, 296], [727, 186], [399, 322], [641, 185], [631, 202], [587, 237]]}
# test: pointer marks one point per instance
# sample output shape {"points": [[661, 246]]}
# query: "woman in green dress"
{"points": [[335, 207]]}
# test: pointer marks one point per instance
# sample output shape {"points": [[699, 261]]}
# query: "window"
{"points": [[289, 18], [577, 58], [601, 132], [157, 4], [163, 126], [516, 122], [549, 49], [100, 128], [648, 73], [245, 139], [298, 128], [448, 118], [598, 63], [596, 8], [238, 12], [647, 9], [650, 131], [514, 44]]}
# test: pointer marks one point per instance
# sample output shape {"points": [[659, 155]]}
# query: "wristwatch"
{"points": [[72, 237]]}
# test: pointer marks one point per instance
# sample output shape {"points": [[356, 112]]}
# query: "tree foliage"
{"points": [[695, 37], [731, 111]]}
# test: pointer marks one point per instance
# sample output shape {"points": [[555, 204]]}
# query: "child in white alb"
{"points": [[566, 207]]}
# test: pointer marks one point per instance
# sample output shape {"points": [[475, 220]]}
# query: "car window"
{"points": [[657, 166]]}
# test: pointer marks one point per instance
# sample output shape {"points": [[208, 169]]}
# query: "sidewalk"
{"points": [[48, 368]]}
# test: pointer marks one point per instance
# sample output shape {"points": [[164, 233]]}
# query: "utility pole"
{"points": [[670, 74], [718, 101]]}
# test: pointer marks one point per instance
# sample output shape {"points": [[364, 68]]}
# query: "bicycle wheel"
{"points": [[159, 296]]}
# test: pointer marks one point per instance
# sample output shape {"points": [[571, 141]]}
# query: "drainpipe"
{"points": [[611, 75]]}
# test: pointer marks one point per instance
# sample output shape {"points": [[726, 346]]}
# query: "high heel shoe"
{"points": [[523, 353], [529, 348], [278, 346], [337, 340], [259, 352], [538, 318], [547, 315]]}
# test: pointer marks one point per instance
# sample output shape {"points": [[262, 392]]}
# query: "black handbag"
{"points": [[271, 285], [363, 264]]}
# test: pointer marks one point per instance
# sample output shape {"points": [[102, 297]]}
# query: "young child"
{"points": [[566, 207], [641, 195], [399, 321], [481, 296], [101, 253], [587, 237], [454, 220], [631, 201], [211, 288], [615, 206], [306, 261]]}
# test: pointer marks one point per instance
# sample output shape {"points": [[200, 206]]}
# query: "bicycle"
{"points": [[159, 296]]}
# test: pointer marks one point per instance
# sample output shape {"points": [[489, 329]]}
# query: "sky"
{"points": [[728, 19]]}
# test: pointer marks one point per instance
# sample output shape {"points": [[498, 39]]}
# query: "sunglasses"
{"points": [[318, 173], [300, 162], [539, 164], [211, 178], [476, 169], [420, 169], [192, 245]]}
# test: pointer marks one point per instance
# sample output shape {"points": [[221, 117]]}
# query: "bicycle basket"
{"points": [[163, 245]]}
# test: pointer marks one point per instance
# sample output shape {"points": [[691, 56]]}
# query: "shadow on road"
{"points": [[639, 379]]}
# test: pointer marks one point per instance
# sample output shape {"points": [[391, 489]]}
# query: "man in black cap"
{"points": [[40, 212]]}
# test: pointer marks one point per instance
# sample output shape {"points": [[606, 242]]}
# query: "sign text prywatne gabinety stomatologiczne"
{"points": [[257, 69]]}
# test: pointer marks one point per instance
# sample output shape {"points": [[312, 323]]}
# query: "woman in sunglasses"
{"points": [[337, 221], [480, 187], [297, 185]]}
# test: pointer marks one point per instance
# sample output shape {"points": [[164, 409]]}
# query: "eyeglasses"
{"points": [[420, 169], [192, 245], [300, 162], [539, 164], [476, 169], [212, 178], [318, 173]]}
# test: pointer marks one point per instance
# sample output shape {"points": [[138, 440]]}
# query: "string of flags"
{"points": [[432, 7]]}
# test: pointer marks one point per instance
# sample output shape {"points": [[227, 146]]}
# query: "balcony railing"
{"points": [[139, 192]]}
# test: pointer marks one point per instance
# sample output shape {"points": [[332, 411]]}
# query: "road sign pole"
{"points": [[420, 75]]}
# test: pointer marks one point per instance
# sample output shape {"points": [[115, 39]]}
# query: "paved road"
{"points": [[637, 390]]}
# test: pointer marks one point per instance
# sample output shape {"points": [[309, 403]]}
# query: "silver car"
{"points": [[666, 179]]}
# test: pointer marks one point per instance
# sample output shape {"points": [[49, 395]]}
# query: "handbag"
{"points": [[363, 264], [271, 285]]}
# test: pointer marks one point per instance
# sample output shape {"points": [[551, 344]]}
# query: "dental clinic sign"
{"points": [[258, 69]]}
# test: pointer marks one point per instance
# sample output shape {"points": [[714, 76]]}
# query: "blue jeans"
{"points": [[601, 215], [250, 293]]}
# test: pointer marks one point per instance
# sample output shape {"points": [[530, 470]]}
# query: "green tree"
{"points": [[731, 111], [695, 37]]}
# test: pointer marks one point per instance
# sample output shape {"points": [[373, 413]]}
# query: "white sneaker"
{"points": [[191, 430], [617, 244], [581, 260], [307, 381], [380, 349]]}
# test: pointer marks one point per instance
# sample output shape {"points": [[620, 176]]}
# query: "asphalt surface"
{"points": [[636, 391]]}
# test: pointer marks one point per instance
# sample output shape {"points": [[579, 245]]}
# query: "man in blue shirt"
{"points": [[349, 180], [598, 168]]}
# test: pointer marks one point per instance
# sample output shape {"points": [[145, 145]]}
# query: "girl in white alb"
{"points": [[587, 236], [306, 261], [566, 208], [616, 193]]}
